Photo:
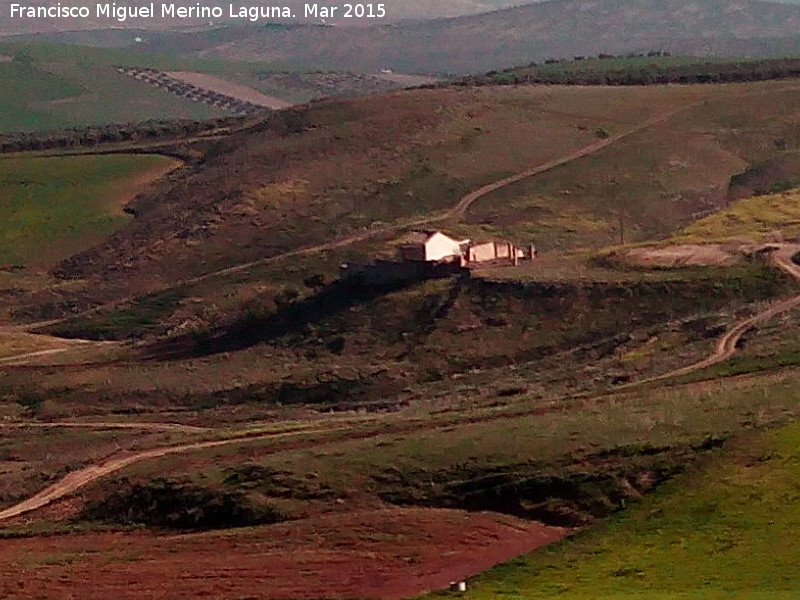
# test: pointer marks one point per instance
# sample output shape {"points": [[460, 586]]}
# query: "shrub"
{"points": [[176, 505], [31, 400]]}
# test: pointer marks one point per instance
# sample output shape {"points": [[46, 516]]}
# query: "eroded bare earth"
{"points": [[389, 553], [684, 255]]}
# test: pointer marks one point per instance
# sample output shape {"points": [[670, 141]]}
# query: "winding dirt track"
{"points": [[727, 345], [82, 477], [61, 345], [100, 425], [18, 358]]}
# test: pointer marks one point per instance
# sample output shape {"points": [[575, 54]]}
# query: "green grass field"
{"points": [[751, 218], [727, 531], [596, 448], [21, 86], [54, 207]]}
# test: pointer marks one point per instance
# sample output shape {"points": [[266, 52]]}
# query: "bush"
{"points": [[315, 281], [31, 400], [175, 505], [286, 296]]}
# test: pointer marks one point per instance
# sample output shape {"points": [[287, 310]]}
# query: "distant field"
{"points": [[47, 85], [53, 207], [21, 87], [50, 86], [726, 532]]}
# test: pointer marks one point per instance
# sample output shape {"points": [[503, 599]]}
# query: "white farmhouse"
{"points": [[433, 246]]}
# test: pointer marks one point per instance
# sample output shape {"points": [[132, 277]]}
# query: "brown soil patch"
{"points": [[5, 58], [228, 88], [390, 553], [685, 255]]}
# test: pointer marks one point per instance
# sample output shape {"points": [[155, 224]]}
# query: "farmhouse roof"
{"points": [[420, 237]]}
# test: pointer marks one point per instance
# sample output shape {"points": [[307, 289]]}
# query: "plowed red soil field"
{"points": [[390, 553]]}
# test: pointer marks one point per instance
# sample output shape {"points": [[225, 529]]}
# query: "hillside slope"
{"points": [[725, 532], [557, 28]]}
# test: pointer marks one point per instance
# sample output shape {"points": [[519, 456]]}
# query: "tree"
{"points": [[286, 296], [315, 281]]}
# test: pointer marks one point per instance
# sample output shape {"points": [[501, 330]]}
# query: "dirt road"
{"points": [[727, 345], [82, 477], [467, 201], [56, 345], [100, 425], [19, 359]]}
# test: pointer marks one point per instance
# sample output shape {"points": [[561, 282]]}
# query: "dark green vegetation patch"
{"points": [[641, 70], [175, 505]]}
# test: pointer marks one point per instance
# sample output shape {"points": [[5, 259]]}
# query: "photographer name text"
{"points": [[122, 13]]}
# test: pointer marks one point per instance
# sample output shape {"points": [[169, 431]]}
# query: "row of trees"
{"points": [[190, 91], [639, 73], [108, 134], [606, 56]]}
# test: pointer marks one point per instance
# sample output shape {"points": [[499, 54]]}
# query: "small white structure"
{"points": [[494, 250], [433, 246]]}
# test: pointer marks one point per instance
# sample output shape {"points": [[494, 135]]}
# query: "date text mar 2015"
{"points": [[346, 11]]}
